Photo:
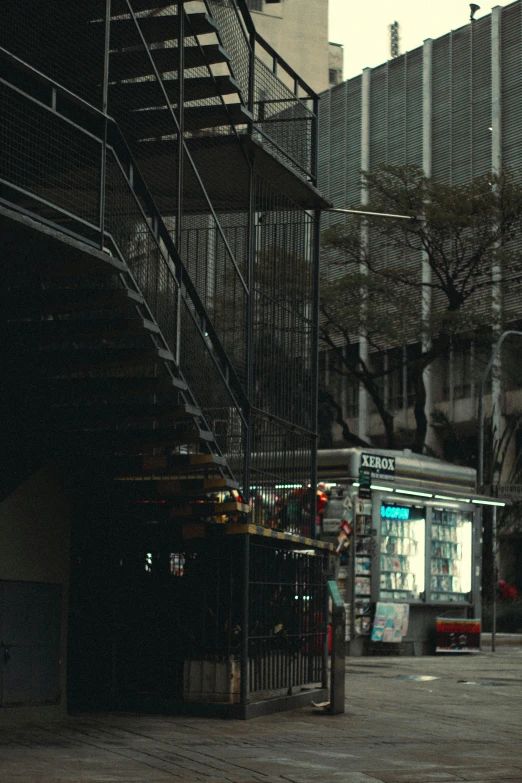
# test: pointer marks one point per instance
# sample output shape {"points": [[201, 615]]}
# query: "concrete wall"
{"points": [[298, 31], [335, 63], [34, 539]]}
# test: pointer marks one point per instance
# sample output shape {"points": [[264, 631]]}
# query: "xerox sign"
{"points": [[379, 466]]}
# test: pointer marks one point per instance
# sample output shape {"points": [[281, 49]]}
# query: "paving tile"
{"points": [[414, 776], [497, 773]]}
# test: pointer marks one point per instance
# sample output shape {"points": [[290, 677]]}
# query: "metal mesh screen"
{"points": [[148, 109], [281, 476], [133, 236], [234, 39], [55, 38], [288, 605], [50, 164], [283, 122], [283, 283]]}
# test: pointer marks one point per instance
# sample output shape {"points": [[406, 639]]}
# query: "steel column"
{"points": [[315, 369], [105, 104], [244, 625]]}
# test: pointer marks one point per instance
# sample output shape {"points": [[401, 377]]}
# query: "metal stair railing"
{"points": [[283, 105], [176, 129], [72, 178]]}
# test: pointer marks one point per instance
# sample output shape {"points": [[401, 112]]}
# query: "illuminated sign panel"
{"points": [[395, 512]]}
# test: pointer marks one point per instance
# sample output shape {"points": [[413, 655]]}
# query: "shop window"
{"points": [[403, 531], [451, 551]]}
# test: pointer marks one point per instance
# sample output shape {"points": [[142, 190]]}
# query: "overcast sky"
{"points": [[362, 26]]}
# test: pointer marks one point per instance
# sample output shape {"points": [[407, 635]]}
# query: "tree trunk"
{"points": [[419, 410]]}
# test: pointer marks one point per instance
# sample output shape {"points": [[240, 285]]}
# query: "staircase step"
{"points": [[141, 95], [90, 359], [24, 303], [115, 415], [61, 329], [208, 509], [149, 489], [132, 65], [135, 468], [133, 441], [155, 29], [120, 388], [158, 122], [138, 6]]}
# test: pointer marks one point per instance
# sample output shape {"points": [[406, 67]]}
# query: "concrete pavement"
{"points": [[466, 725]]}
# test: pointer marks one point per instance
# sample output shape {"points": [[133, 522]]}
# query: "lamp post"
{"points": [[480, 474]]}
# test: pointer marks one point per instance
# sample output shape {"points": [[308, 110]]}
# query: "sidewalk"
{"points": [[464, 726]]}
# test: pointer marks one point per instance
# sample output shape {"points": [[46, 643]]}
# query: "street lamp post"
{"points": [[480, 475]]}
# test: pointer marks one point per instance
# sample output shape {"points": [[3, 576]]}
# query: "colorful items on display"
{"points": [[390, 623]]}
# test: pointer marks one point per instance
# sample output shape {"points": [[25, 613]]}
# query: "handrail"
{"points": [[119, 144], [247, 17], [186, 150]]}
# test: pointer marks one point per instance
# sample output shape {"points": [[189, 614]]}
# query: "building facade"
{"points": [[159, 228], [298, 29], [453, 108]]}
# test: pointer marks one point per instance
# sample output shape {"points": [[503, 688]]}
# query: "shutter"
{"points": [[441, 150], [414, 73], [461, 141], [378, 115], [396, 111], [481, 96]]}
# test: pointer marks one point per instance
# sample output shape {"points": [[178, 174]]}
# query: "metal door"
{"points": [[30, 620]]}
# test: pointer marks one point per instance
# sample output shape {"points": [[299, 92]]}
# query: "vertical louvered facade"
{"points": [[439, 106]]}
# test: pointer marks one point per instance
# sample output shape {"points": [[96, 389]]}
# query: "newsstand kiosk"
{"points": [[408, 530]]}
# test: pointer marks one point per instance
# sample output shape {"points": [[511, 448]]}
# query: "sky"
{"points": [[362, 27]]}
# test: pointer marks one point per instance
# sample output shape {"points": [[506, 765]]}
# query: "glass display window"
{"points": [[451, 556], [403, 552]]}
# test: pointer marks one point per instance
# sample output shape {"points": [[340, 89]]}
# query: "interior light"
{"points": [[411, 492], [445, 497], [384, 489], [356, 484], [489, 502]]}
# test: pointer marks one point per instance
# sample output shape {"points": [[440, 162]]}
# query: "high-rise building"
{"points": [[453, 107], [335, 64]]}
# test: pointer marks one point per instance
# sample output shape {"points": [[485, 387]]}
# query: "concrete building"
{"points": [[335, 64], [298, 29]]}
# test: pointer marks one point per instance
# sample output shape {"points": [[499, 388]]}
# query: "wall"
{"points": [[34, 538], [298, 31]]}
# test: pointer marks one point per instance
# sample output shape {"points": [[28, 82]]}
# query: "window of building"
{"points": [[332, 76], [255, 5]]}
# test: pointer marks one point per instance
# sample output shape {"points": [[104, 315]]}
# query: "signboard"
{"points": [[390, 623], [457, 635], [378, 466], [365, 480]]}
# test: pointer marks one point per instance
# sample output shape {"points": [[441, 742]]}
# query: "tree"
{"points": [[373, 283]]}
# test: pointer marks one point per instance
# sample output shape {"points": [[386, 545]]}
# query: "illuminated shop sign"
{"points": [[378, 466], [395, 512]]}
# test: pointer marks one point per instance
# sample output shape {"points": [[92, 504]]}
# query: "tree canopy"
{"points": [[467, 239]]}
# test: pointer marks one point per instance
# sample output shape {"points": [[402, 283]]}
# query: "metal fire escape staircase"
{"points": [[105, 319]]}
